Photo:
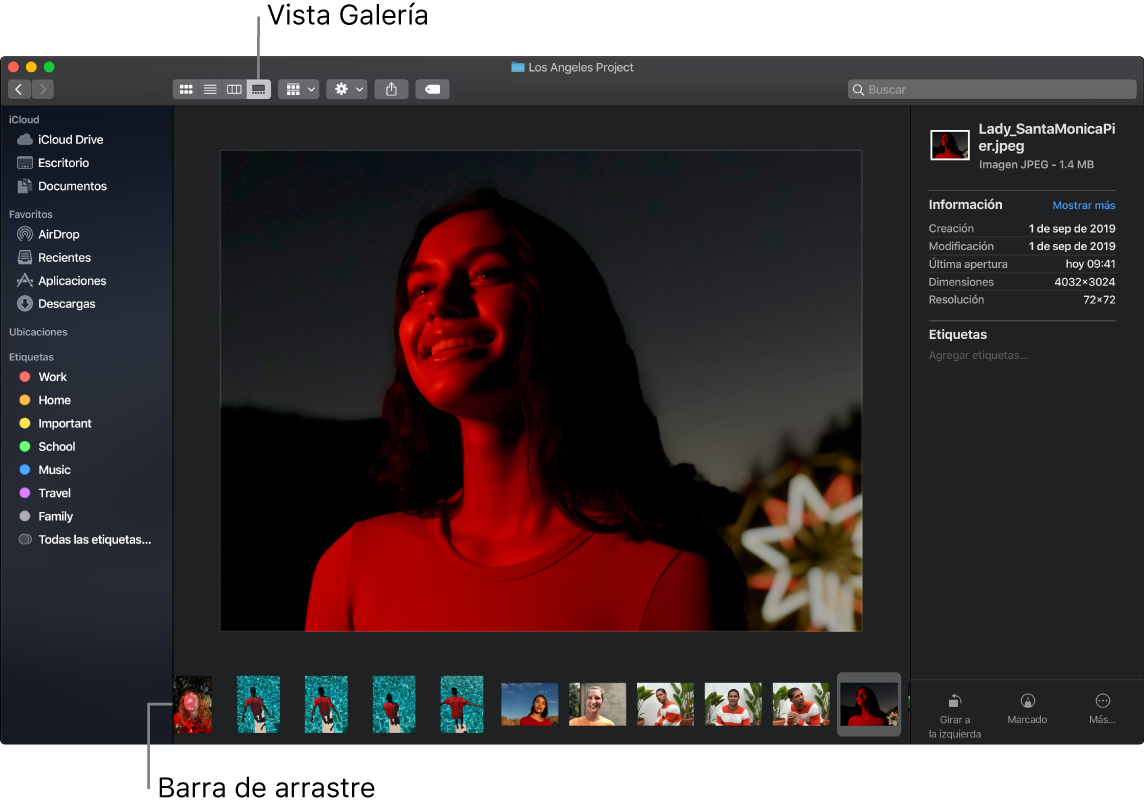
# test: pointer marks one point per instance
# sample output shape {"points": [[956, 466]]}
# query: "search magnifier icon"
{"points": [[857, 90]]}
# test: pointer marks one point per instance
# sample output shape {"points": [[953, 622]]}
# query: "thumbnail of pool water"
{"points": [[338, 690], [404, 691], [472, 689], [267, 687]]}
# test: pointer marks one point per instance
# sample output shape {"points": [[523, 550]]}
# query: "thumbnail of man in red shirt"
{"points": [[325, 705], [258, 711], [802, 711], [457, 708], [390, 708]]}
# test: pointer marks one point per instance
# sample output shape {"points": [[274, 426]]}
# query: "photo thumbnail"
{"points": [[460, 711], [530, 704], [733, 705], [597, 705], [192, 700], [952, 144], [868, 704], [327, 703], [394, 704], [801, 704], [698, 447], [665, 705], [259, 704]]}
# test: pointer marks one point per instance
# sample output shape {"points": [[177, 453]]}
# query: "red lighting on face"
{"points": [[463, 299]]}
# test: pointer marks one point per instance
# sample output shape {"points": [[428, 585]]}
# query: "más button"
{"points": [[433, 88]]}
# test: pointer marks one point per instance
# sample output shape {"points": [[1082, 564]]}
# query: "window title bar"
{"points": [[562, 80]]}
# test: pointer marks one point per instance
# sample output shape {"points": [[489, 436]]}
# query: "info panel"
{"points": [[1026, 423]]}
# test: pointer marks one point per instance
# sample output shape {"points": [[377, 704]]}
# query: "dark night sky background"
{"points": [[736, 275], [887, 694]]}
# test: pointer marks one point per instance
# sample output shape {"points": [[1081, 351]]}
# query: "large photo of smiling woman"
{"points": [[529, 391], [533, 486]]}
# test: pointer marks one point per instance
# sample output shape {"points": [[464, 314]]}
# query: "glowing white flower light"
{"points": [[831, 600]]}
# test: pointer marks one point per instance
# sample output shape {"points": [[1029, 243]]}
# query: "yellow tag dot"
{"points": [[25, 399], [31, 67], [25, 423]]}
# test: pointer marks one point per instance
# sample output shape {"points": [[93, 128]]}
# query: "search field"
{"points": [[1008, 89]]}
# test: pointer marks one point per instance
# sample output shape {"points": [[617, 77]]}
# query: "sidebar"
{"points": [[1026, 430], [86, 416]]}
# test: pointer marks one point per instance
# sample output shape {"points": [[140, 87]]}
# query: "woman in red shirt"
{"points": [[539, 715], [194, 715], [869, 712], [536, 494], [948, 150]]}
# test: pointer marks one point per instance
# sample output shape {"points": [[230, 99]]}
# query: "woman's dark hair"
{"points": [[871, 702], [953, 145], [544, 713], [594, 438]]}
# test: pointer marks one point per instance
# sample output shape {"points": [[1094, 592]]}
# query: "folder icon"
{"points": [[518, 67]]}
